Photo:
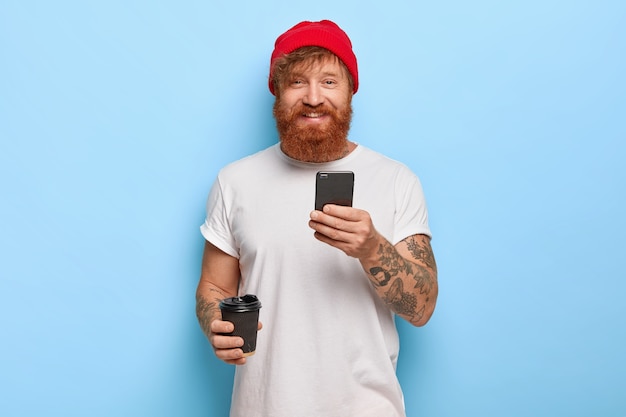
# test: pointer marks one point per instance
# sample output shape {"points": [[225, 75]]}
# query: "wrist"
{"points": [[375, 248]]}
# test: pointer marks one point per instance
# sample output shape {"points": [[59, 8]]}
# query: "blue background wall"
{"points": [[115, 117]]}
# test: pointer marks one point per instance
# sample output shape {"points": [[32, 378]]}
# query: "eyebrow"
{"points": [[324, 74]]}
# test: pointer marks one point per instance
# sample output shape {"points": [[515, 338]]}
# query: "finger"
{"points": [[324, 217], [230, 355], [240, 361], [226, 342], [343, 212], [343, 246], [329, 231], [323, 238], [319, 219], [335, 222], [220, 326], [224, 327]]}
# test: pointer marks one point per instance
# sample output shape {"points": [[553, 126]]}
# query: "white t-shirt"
{"points": [[329, 345]]}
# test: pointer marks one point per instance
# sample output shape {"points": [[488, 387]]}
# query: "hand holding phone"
{"points": [[334, 187]]}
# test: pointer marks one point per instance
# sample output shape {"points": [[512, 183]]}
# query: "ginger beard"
{"points": [[313, 143]]}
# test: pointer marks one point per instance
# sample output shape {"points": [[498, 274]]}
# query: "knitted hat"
{"points": [[325, 34]]}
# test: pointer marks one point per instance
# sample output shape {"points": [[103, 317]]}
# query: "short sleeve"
{"points": [[216, 227], [412, 212]]}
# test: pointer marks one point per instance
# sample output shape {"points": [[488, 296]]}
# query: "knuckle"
{"points": [[235, 354], [229, 354], [229, 342], [218, 326]]}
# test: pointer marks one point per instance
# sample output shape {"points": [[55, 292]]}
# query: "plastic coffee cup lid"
{"points": [[248, 302]]}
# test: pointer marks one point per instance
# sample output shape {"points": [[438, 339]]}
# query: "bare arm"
{"points": [[405, 275], [219, 279]]}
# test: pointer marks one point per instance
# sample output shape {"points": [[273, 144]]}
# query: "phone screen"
{"points": [[334, 187]]}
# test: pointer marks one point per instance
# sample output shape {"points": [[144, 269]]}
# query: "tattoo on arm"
{"points": [[423, 254], [208, 310], [393, 267], [402, 302], [391, 263], [420, 253]]}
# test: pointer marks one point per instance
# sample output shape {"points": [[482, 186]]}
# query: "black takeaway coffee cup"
{"points": [[243, 312]]}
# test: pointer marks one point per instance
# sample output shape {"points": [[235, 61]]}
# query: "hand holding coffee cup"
{"points": [[243, 313], [227, 348]]}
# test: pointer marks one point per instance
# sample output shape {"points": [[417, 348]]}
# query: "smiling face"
{"points": [[313, 109]]}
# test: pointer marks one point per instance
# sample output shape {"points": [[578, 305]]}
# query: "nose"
{"points": [[313, 96]]}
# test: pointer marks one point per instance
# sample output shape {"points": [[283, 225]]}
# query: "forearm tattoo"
{"points": [[208, 310], [392, 271]]}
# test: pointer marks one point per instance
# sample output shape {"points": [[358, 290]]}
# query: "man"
{"points": [[330, 281]]}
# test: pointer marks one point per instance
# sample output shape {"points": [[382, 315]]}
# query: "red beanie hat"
{"points": [[325, 34]]}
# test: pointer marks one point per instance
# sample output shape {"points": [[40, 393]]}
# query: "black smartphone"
{"points": [[334, 187]]}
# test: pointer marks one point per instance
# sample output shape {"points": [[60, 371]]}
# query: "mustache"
{"points": [[303, 109]]}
